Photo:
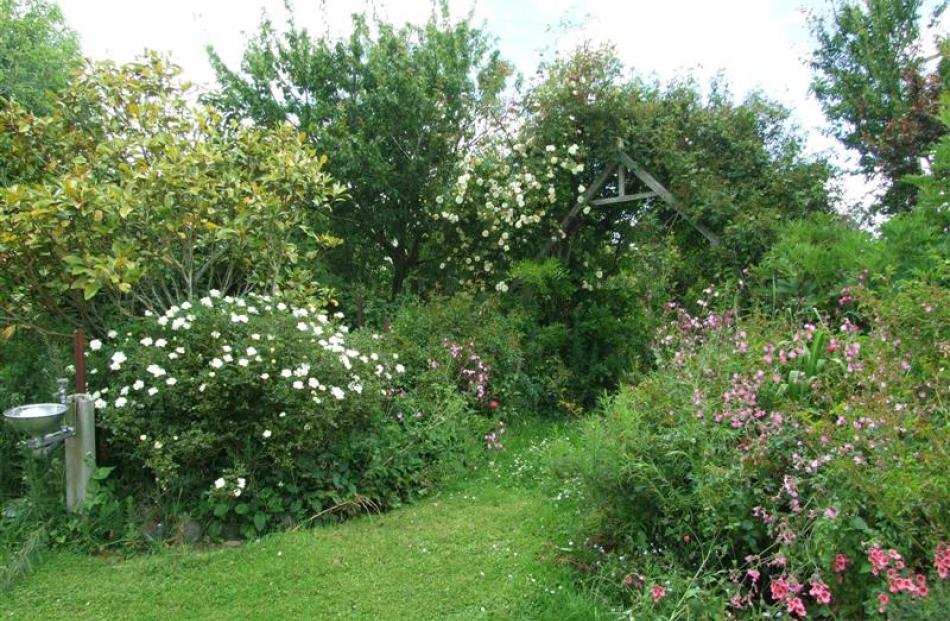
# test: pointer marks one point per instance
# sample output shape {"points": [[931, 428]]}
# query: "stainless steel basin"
{"points": [[36, 419]]}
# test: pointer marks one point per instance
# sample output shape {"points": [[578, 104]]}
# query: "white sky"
{"points": [[755, 44]]}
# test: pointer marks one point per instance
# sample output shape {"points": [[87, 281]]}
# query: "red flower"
{"points": [[493, 404], [882, 600], [779, 589], [841, 562], [942, 560], [821, 592], [658, 592], [878, 559], [796, 606]]}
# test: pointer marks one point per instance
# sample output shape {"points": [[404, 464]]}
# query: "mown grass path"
{"points": [[483, 549]]}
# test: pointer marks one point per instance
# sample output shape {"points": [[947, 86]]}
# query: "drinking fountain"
{"points": [[43, 423], [70, 422]]}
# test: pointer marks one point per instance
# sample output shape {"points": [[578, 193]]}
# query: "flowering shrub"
{"points": [[261, 414], [469, 344], [799, 468]]}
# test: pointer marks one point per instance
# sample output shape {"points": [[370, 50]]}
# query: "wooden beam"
{"points": [[665, 194], [623, 199], [590, 192]]}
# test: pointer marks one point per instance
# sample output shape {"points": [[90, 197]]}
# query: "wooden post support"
{"points": [[79, 360], [80, 450]]}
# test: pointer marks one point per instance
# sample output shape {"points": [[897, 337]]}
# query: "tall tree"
{"points": [[872, 80], [38, 52], [396, 108]]}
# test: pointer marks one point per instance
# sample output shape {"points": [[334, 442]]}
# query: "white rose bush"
{"points": [[255, 413]]}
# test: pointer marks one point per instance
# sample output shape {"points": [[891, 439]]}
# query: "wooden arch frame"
{"points": [[623, 166]]}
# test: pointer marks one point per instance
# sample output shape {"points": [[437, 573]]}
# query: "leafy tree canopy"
{"points": [[38, 52], [737, 168], [873, 83], [132, 198], [396, 107]]}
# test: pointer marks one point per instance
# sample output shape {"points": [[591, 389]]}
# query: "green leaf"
{"points": [[260, 521], [858, 523], [90, 290]]}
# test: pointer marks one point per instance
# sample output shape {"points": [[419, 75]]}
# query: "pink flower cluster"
{"points": [[841, 563], [787, 591], [892, 564], [942, 560], [473, 372]]}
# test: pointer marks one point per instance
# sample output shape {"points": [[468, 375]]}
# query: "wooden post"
{"points": [[79, 360]]}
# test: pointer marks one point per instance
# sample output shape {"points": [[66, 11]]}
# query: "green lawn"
{"points": [[483, 549]]}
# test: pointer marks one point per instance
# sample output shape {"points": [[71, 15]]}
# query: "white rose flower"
{"points": [[337, 392], [219, 483], [171, 381], [152, 391], [95, 344], [266, 433]]}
